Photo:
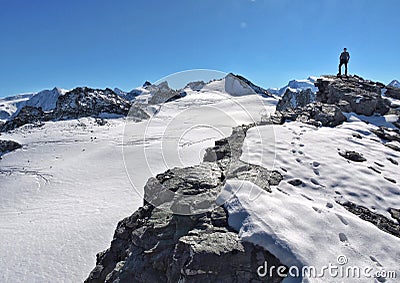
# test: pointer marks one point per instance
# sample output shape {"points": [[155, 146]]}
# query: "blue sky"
{"points": [[122, 43]]}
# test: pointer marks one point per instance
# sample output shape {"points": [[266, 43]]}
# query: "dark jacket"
{"points": [[345, 56]]}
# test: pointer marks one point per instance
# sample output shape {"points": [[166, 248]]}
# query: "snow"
{"points": [[395, 83], [304, 225], [9, 105], [63, 193], [296, 86]]}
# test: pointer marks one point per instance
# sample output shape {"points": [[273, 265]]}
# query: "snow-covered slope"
{"points": [[304, 225], [296, 86], [46, 99], [395, 83], [64, 192], [9, 105]]}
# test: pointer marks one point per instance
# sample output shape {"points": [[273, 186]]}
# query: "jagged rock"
{"points": [[317, 114], [84, 102], [7, 146], [393, 92], [161, 93], [380, 221], [292, 100], [352, 155], [146, 83], [27, 115], [155, 246], [196, 86], [362, 96], [197, 245], [257, 89]]}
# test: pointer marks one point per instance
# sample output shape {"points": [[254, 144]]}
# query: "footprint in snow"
{"points": [[315, 164], [306, 197], [342, 219], [375, 260], [316, 172], [343, 238]]}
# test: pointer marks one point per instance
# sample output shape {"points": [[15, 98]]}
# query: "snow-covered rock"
{"points": [[394, 83], [84, 102], [10, 105], [296, 86]]}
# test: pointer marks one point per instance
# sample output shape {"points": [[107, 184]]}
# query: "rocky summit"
{"points": [[335, 96]]}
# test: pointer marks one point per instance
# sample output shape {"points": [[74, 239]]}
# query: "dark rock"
{"points": [[353, 94], [393, 161], [257, 89], [356, 135], [8, 146], [395, 213], [27, 115], [86, 102], [317, 114], [292, 100], [296, 182], [390, 180], [393, 92], [380, 221], [352, 155], [146, 83]]}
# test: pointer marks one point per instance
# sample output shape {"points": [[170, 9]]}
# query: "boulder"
{"points": [[352, 155]]}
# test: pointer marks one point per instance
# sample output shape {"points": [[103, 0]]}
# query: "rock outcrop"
{"points": [[352, 94], [27, 115], [86, 102], [7, 146], [80, 102], [292, 100], [157, 244], [317, 114]]}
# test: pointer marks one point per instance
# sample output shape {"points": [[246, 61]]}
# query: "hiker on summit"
{"points": [[344, 59]]}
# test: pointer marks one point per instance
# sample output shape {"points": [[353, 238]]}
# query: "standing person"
{"points": [[344, 59]]}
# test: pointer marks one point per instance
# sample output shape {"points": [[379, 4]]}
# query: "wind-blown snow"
{"points": [[304, 225]]}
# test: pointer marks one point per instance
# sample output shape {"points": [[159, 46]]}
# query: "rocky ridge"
{"points": [[155, 244]]}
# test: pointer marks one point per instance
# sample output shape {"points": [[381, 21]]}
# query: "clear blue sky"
{"points": [[122, 43]]}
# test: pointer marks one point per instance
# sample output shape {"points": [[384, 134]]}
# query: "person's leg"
{"points": [[345, 68], [340, 68]]}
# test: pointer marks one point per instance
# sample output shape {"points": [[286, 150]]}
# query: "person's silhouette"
{"points": [[344, 60]]}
